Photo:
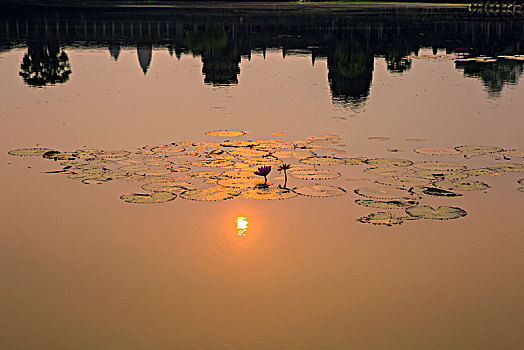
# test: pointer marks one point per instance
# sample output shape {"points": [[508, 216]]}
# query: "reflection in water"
{"points": [[494, 75], [242, 225], [44, 64], [145, 54], [348, 40], [350, 71], [114, 51]]}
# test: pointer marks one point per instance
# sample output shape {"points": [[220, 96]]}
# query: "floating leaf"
{"points": [[171, 186], [257, 162], [214, 193], [441, 174], [508, 167], [246, 152], [239, 143], [381, 192], [269, 193], [158, 163], [388, 171], [462, 186], [381, 218], [441, 213], [416, 140], [438, 165], [515, 153], [354, 161], [96, 180], [390, 162], [436, 150], [394, 204], [478, 149], [433, 191], [29, 152], [142, 198], [225, 133], [379, 138], [405, 181], [153, 172], [238, 173], [521, 181], [297, 154], [314, 174], [520, 189], [322, 161], [56, 155], [203, 174], [481, 171], [318, 190], [214, 163], [179, 169], [242, 182], [167, 150]]}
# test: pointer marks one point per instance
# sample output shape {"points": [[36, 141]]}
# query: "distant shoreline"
{"points": [[217, 4]]}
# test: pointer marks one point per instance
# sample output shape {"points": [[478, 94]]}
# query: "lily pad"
{"points": [[148, 198], [436, 150], [382, 192], [388, 171], [29, 152], [416, 140], [390, 162], [242, 182], [438, 165], [56, 155], [214, 193], [214, 163], [481, 171], [239, 143], [318, 190], [225, 133], [441, 213], [404, 181], [442, 174], [433, 191], [462, 186], [269, 193], [172, 186], [508, 167], [478, 149], [393, 204], [379, 138], [314, 174], [322, 161], [514, 153], [381, 218]]}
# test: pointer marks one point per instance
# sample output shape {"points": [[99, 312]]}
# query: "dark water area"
{"points": [[134, 214], [223, 37]]}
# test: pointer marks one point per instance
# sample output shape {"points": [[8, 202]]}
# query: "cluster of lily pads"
{"points": [[233, 167]]}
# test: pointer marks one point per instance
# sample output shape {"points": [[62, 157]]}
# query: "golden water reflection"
{"points": [[242, 225]]}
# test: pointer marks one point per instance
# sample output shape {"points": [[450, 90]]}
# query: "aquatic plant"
{"points": [[319, 190], [284, 168], [263, 171], [441, 213]]}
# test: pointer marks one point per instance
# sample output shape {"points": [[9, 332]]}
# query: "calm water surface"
{"points": [[82, 269]]}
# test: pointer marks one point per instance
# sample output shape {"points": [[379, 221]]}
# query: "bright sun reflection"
{"points": [[242, 225]]}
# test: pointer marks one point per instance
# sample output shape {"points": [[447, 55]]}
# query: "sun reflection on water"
{"points": [[242, 225]]}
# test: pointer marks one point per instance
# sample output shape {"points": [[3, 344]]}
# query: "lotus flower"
{"points": [[284, 167], [263, 171]]}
